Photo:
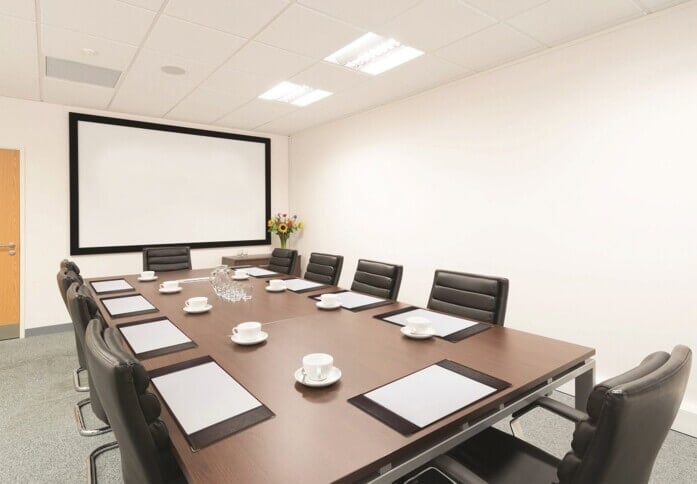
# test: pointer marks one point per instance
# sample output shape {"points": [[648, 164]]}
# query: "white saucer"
{"points": [[147, 279], [409, 334], [320, 305], [243, 278], [280, 289], [247, 342], [171, 291], [205, 308], [334, 376]]}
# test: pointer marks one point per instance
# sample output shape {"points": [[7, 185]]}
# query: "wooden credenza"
{"points": [[256, 260]]}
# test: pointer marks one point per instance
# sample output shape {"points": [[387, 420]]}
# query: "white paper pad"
{"points": [[443, 325], [127, 304], [109, 286], [429, 394], [194, 279], [203, 395], [153, 336], [301, 284], [256, 271], [351, 300]]}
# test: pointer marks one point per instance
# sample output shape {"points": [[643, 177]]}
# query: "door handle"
{"points": [[9, 245]]}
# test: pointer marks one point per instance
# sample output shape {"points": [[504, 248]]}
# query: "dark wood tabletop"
{"points": [[316, 436]]}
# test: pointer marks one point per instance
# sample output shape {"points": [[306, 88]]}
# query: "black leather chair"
{"points": [[67, 278], [377, 279], [162, 259], [134, 413], [283, 261], [472, 296], [616, 442], [324, 268], [83, 309]]}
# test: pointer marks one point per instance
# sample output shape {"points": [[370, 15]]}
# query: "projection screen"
{"points": [[136, 184]]}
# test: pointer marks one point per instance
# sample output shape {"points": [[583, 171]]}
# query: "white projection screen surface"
{"points": [[136, 185]]}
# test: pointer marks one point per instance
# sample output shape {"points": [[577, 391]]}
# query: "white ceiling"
{"points": [[234, 50]]}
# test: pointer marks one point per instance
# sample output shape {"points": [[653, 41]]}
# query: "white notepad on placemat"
{"points": [[301, 284], [428, 395], [256, 271], [443, 324], [113, 285], [356, 300], [203, 395], [123, 306], [150, 336]]}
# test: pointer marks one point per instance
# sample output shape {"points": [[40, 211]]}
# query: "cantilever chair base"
{"points": [[92, 464], [76, 380], [81, 427]]}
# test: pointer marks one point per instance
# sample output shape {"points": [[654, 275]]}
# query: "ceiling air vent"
{"points": [[79, 72]]}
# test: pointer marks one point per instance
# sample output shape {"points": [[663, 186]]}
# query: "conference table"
{"points": [[316, 435]]}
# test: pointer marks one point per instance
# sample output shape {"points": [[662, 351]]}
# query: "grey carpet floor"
{"points": [[39, 442]]}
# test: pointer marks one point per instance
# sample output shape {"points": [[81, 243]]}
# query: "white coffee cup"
{"points": [[418, 325], [169, 285], [330, 299], [147, 274], [317, 366], [196, 302], [247, 331], [277, 284]]}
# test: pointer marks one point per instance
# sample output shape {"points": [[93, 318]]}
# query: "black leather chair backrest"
{"points": [[472, 296], [66, 278], [283, 260], [162, 259], [629, 418], [83, 309], [377, 279], [134, 413], [324, 268]]}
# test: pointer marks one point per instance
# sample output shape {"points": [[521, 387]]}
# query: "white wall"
{"points": [[572, 173], [40, 130]]}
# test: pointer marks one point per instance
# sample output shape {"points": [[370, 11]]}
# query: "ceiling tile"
{"points": [[435, 23], [243, 84], [205, 106], [562, 20], [256, 113], [656, 5], [153, 5], [149, 91], [19, 76], [361, 13], [184, 39], [239, 17], [424, 73], [307, 32], [18, 8], [102, 18], [489, 47], [76, 94], [503, 9], [68, 44], [263, 59], [329, 77]]}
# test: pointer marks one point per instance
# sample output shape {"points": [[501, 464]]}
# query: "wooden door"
{"points": [[9, 244]]}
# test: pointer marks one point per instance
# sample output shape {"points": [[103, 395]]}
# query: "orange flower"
{"points": [[269, 223]]}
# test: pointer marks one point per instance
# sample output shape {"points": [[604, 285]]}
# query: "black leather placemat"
{"points": [[159, 351], [452, 337]]}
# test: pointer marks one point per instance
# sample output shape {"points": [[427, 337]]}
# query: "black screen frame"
{"points": [[75, 118]]}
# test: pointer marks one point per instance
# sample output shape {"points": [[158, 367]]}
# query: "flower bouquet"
{"points": [[283, 225]]}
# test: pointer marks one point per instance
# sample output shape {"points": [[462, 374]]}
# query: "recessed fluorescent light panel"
{"points": [[295, 94], [373, 54]]}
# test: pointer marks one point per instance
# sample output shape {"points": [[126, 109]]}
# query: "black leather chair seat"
{"points": [[377, 279], [324, 268], [499, 458]]}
